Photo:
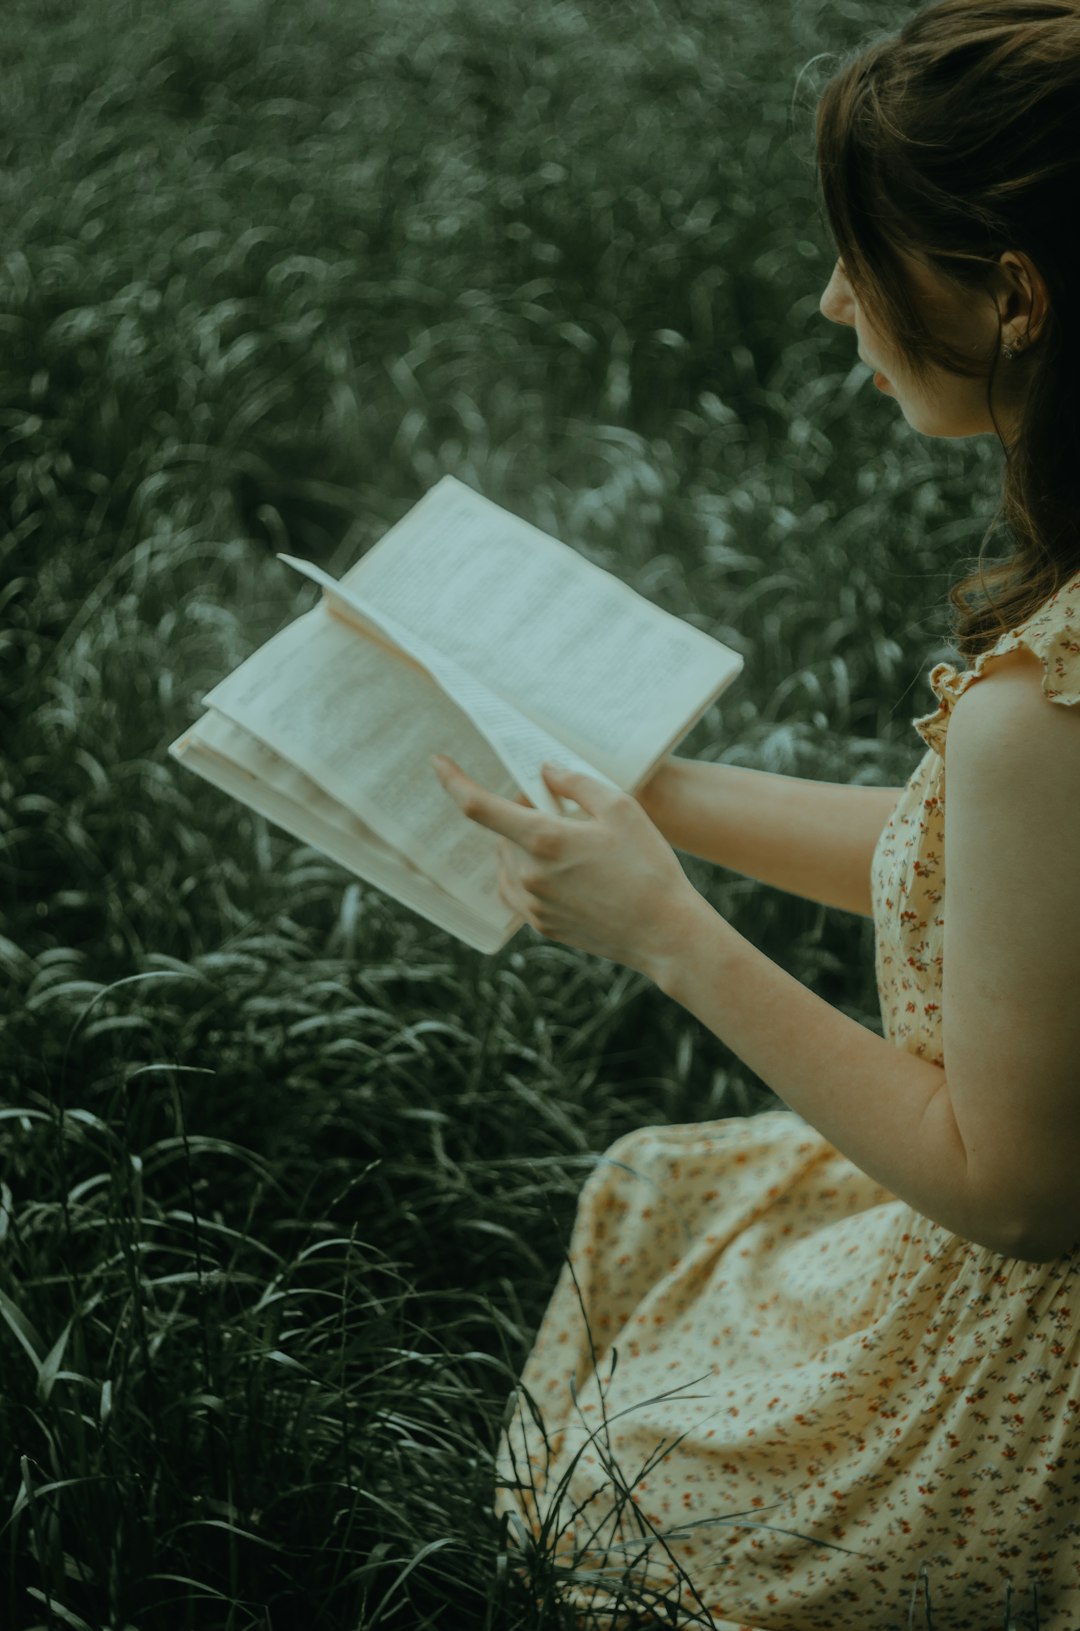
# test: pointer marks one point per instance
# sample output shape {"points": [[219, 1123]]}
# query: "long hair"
{"points": [[959, 138]]}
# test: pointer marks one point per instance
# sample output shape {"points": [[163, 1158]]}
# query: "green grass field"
{"points": [[287, 1173]]}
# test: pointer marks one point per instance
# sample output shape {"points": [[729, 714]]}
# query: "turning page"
{"points": [[615, 678], [521, 745]]}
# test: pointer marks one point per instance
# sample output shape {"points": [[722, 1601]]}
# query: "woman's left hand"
{"points": [[611, 885]]}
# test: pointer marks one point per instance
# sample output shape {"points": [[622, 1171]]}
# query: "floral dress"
{"points": [[796, 1404]]}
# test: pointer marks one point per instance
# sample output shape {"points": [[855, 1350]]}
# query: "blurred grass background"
{"points": [[286, 1172]]}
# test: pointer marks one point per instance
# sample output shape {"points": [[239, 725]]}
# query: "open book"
{"points": [[464, 631]]}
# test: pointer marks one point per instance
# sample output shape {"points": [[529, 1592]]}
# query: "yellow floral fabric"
{"points": [[767, 1390]]}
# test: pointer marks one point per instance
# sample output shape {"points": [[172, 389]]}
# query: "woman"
{"points": [[854, 1327]]}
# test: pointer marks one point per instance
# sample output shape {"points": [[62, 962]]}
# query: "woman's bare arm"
{"points": [[810, 838], [987, 1142]]}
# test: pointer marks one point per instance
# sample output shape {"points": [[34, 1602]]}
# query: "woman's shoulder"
{"points": [[1037, 661], [1011, 1026], [1006, 715]]}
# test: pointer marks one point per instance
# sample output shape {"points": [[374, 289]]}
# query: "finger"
{"points": [[484, 807], [594, 796]]}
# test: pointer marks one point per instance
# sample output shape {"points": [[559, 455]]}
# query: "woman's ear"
{"points": [[1022, 296]]}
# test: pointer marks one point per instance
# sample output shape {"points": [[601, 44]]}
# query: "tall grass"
{"points": [[287, 1174]]}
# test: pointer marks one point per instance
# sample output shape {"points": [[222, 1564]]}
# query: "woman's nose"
{"points": [[837, 303]]}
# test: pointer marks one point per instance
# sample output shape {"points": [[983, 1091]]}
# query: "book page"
{"points": [[360, 721], [615, 678], [522, 746], [227, 756]]}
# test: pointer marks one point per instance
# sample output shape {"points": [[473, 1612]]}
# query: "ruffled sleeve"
{"points": [[1052, 634]]}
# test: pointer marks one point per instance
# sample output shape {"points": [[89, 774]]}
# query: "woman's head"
{"points": [[973, 395], [949, 158]]}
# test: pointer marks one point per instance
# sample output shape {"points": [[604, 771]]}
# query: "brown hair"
{"points": [[957, 139]]}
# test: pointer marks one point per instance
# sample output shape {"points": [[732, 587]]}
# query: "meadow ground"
{"points": [[287, 1173]]}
